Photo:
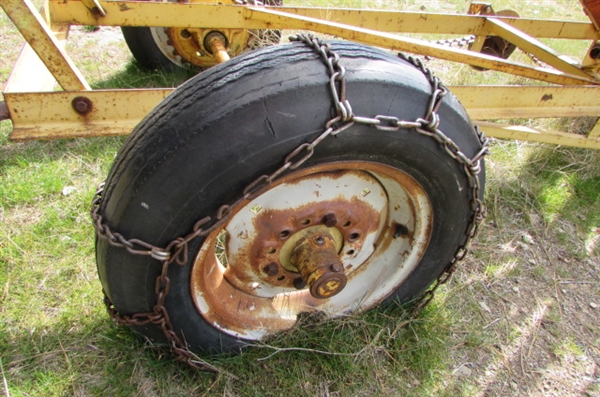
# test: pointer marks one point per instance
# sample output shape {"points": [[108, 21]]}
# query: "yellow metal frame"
{"points": [[570, 89]]}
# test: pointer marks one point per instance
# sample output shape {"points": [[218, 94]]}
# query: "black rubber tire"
{"points": [[232, 123], [145, 51]]}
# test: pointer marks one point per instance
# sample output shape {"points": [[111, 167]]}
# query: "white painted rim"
{"points": [[239, 299]]}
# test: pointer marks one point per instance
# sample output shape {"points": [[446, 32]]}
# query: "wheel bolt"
{"points": [[330, 220], [337, 267], [595, 52], [299, 283], [321, 270], [82, 105], [271, 269]]}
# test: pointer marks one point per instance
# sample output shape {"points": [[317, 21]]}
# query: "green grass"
{"points": [[515, 301]]}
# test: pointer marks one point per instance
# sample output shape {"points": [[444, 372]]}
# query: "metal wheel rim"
{"points": [[168, 41], [161, 39], [380, 248]]}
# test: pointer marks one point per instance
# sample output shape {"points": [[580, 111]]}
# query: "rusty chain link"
{"points": [[177, 250]]}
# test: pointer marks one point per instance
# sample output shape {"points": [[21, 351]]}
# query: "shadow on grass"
{"points": [[554, 188], [568, 184], [362, 355], [12, 153], [91, 357], [133, 76]]}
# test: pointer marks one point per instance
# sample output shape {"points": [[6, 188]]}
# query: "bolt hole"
{"points": [[185, 34], [221, 248], [347, 223], [350, 252], [401, 230], [271, 251], [285, 234], [280, 278], [353, 236], [305, 222]]}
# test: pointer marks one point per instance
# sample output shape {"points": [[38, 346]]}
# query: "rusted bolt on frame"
{"points": [[82, 105]]}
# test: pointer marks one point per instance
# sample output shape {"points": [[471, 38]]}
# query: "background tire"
{"points": [[153, 49], [237, 121], [143, 45]]}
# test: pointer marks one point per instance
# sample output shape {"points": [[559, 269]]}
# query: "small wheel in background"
{"points": [[171, 49]]}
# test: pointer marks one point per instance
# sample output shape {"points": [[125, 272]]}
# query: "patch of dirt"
{"points": [[536, 329]]}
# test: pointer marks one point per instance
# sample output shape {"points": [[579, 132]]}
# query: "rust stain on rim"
{"points": [[221, 293]]}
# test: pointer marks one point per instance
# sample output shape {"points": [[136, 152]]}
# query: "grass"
{"points": [[517, 318]]}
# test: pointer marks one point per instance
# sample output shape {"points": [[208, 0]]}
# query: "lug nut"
{"points": [[330, 220], [401, 230], [271, 269], [320, 240]]}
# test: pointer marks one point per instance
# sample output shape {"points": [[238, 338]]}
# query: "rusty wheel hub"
{"points": [[327, 239], [189, 45], [315, 255]]}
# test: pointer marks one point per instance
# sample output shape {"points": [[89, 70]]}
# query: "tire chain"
{"points": [[177, 250]]}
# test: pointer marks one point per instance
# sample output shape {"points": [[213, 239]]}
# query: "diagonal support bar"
{"points": [[37, 33], [412, 45], [523, 133], [534, 47]]}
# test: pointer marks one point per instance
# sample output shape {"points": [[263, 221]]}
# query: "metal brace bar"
{"points": [[411, 45], [37, 33], [535, 47], [199, 13], [522, 133], [52, 115], [95, 7], [595, 131]]}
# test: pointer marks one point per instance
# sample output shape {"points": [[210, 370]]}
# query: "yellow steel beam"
{"points": [[37, 33], [95, 7], [595, 132], [151, 13], [504, 131], [432, 23], [29, 74], [393, 42], [506, 102], [534, 47], [221, 16], [52, 115], [206, 13]]}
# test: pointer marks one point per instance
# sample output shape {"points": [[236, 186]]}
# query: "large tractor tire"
{"points": [[373, 215]]}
